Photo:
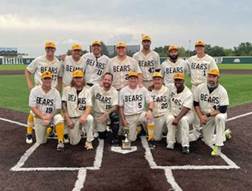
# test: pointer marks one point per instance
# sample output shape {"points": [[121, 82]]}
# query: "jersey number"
{"points": [[49, 110]]}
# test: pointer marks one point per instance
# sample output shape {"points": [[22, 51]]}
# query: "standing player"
{"points": [[96, 64], [45, 103], [181, 115], [76, 101], [172, 65], [105, 106], [211, 102], [161, 98], [72, 63], [120, 66], [148, 60], [132, 100], [47, 62], [199, 65]]}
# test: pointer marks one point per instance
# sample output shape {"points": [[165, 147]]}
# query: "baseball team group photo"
{"points": [[134, 115]]}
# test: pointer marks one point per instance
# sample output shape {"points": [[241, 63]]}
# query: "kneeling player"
{"points": [[132, 100], [210, 102], [45, 103], [105, 105], [161, 97], [76, 101], [181, 115]]}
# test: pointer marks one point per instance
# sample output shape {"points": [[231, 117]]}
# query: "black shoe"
{"points": [[115, 142], [102, 135], [185, 150]]}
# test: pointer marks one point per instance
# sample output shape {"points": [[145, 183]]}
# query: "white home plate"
{"points": [[122, 151]]}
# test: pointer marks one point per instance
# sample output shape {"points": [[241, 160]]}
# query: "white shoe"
{"points": [[28, 139], [88, 145], [60, 146], [96, 135], [228, 134], [170, 146]]}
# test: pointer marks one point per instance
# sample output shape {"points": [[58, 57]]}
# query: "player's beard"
{"points": [[173, 57], [212, 84]]}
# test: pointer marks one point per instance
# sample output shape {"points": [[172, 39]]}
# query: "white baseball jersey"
{"points": [[41, 64], [199, 67], [208, 101], [168, 69], [180, 100], [161, 99], [103, 100], [76, 103], [147, 63], [69, 65], [45, 102], [95, 67], [120, 70], [134, 100]]}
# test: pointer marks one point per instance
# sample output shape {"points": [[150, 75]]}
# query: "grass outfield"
{"points": [[15, 93], [12, 67], [235, 66]]}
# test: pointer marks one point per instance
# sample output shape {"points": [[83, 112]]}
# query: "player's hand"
{"points": [[70, 124], [125, 122], [203, 119], [175, 122], [83, 120], [149, 116], [63, 57], [46, 122]]}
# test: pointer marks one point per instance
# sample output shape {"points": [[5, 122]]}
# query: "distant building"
{"points": [[11, 56]]}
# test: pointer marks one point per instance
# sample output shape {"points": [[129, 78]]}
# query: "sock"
{"points": [[30, 121], [60, 132]]}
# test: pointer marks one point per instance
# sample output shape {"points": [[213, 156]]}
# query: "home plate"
{"points": [[123, 151]]}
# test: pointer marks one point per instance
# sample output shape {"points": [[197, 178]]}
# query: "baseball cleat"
{"points": [[60, 146], [88, 145], [228, 134], [66, 139], [170, 146], [28, 139], [185, 150], [216, 151]]}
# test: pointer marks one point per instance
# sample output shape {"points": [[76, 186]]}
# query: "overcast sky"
{"points": [[27, 24]]}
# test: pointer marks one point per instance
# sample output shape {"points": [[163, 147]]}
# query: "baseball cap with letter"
{"points": [[121, 44], [78, 74], [172, 47], [146, 37], [179, 75], [96, 42], [200, 43], [46, 74], [214, 72], [76, 46], [50, 44]]}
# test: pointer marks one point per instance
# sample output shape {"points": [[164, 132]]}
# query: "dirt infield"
{"points": [[226, 71], [124, 172]]}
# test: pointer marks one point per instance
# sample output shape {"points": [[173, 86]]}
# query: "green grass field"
{"points": [[12, 67], [235, 66], [14, 94]]}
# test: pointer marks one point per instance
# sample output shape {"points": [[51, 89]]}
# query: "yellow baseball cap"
{"points": [[157, 75], [76, 46], [50, 44], [46, 74], [199, 43], [179, 75], [78, 74], [132, 74], [146, 37], [121, 44], [96, 42], [215, 72], [172, 47]]}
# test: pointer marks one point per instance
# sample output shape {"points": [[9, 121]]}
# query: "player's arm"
{"points": [[85, 114], [182, 113], [59, 85], [122, 116], [28, 77], [69, 122]]}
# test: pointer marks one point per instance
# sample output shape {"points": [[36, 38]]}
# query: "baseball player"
{"points": [[77, 104], [45, 103], [132, 100], [172, 65], [180, 116], [161, 98], [96, 64], [198, 66], [105, 106], [211, 102], [71, 63], [148, 60], [47, 62], [120, 66]]}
